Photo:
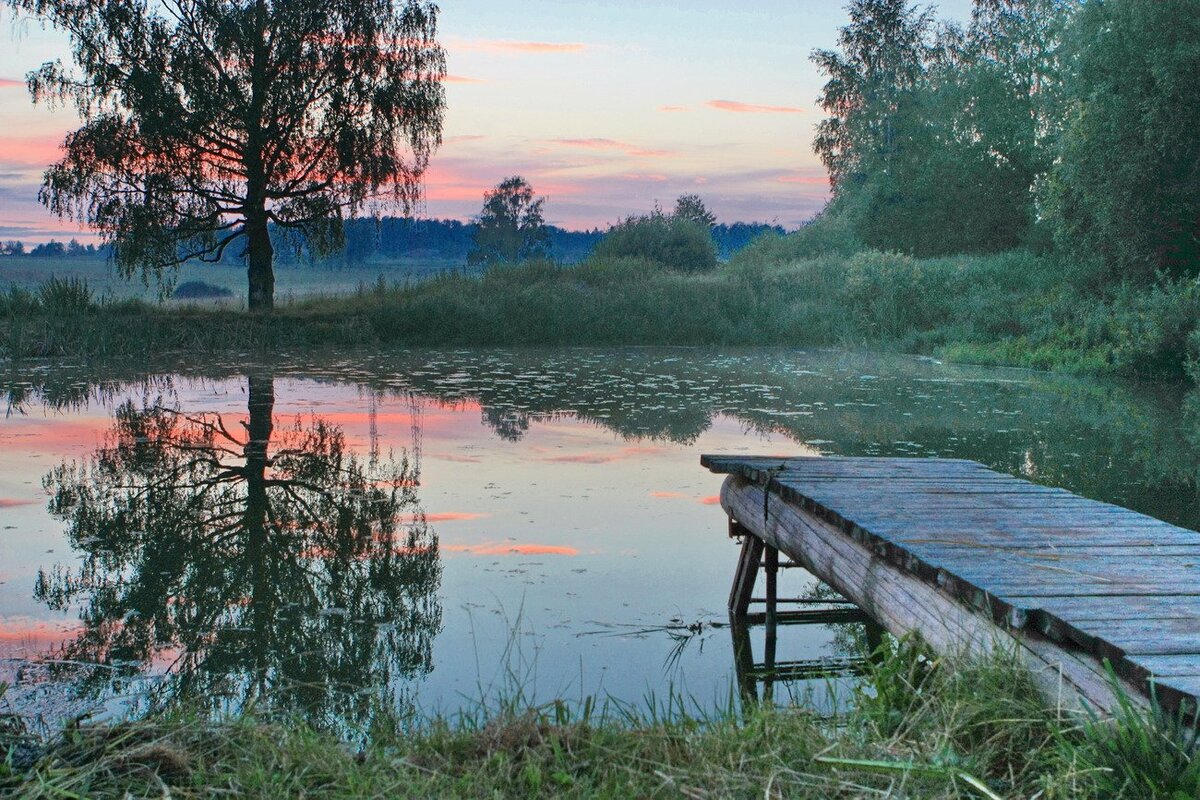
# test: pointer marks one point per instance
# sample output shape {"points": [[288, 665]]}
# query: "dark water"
{"points": [[425, 530]]}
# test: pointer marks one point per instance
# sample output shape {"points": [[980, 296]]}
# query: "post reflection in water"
{"points": [[244, 561]]}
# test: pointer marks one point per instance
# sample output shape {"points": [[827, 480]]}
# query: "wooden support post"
{"points": [[745, 576], [743, 661], [875, 633], [772, 569]]}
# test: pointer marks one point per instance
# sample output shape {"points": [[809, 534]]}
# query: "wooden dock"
{"points": [[971, 558]]}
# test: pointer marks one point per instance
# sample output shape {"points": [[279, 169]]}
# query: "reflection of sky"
{"points": [[574, 537], [604, 106]]}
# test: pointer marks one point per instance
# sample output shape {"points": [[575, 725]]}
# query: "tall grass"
{"points": [[921, 726], [1010, 308]]}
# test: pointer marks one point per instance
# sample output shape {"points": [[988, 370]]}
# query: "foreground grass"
{"points": [[1012, 308], [923, 728]]}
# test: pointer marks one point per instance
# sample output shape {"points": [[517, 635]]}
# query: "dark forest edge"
{"points": [[936, 727], [806, 289]]}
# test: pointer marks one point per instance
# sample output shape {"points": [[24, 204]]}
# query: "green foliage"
{"points": [[830, 233], [65, 295], [672, 243], [1009, 308], [1126, 187], [511, 227], [691, 207], [921, 726], [888, 294], [202, 122], [1139, 754]]}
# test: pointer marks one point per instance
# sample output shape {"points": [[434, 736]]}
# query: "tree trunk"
{"points": [[260, 270], [261, 405]]}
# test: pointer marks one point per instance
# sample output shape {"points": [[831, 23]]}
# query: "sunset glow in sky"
{"points": [[605, 107]]}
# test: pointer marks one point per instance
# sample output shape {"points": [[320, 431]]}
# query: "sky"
{"points": [[605, 106]]}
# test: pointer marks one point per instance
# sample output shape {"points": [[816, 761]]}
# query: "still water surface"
{"points": [[420, 530]]}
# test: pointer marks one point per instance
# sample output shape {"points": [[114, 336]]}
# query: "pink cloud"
{"points": [[598, 143], [652, 178], [749, 108], [11, 83], [499, 45], [36, 151], [465, 180], [672, 109], [461, 79], [807, 180]]}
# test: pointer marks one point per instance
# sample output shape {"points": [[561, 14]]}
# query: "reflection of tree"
{"points": [[256, 564]]}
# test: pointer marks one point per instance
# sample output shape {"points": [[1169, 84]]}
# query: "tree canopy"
{"points": [[511, 226], [939, 137], [1126, 187], [204, 121]]}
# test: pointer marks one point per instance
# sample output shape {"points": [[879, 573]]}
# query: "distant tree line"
{"points": [[1039, 123], [55, 249], [393, 238]]}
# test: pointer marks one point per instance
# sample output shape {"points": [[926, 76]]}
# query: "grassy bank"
{"points": [[922, 727], [1013, 308]]}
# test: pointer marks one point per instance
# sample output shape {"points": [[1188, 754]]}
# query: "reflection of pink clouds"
{"points": [[454, 458], [711, 500], [8, 502], [56, 435], [506, 549], [605, 458], [668, 495], [34, 635], [454, 516], [749, 108]]}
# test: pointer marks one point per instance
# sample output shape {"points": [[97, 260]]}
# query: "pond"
{"points": [[428, 531]]}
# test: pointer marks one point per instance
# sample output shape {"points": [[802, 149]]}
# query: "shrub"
{"points": [[887, 295], [672, 243], [65, 295], [828, 234]]}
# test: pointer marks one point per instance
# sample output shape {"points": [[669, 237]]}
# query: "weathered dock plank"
{"points": [[960, 552]]}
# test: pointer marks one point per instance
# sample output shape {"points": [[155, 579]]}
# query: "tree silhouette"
{"points": [[204, 121], [265, 565], [510, 227]]}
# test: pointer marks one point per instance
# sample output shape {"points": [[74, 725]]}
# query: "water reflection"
{"points": [[243, 561], [266, 561]]}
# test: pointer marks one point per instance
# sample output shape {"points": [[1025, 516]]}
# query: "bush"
{"points": [[199, 290], [887, 294], [828, 234], [672, 243], [65, 295]]}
